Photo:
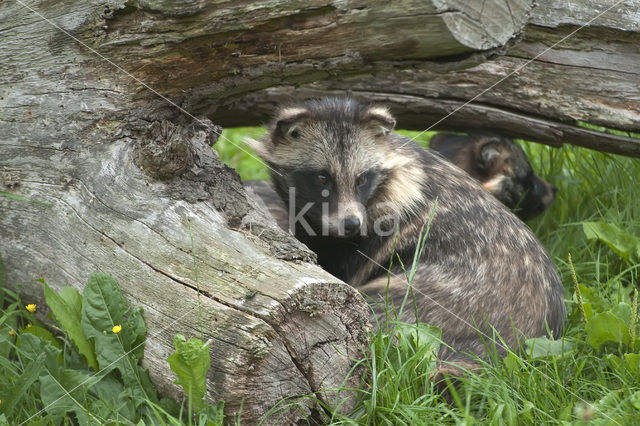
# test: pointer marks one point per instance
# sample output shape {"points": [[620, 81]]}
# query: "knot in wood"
{"points": [[163, 151]]}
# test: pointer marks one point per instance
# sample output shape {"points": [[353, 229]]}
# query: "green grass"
{"points": [[592, 375], [90, 373], [234, 151]]}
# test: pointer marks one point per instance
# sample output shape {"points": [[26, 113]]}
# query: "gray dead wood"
{"points": [[278, 329], [538, 90]]}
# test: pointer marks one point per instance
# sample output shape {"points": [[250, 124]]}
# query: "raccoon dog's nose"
{"points": [[351, 225], [554, 189]]}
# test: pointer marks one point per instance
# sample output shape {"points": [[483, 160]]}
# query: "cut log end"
{"points": [[313, 351], [485, 25], [304, 350]]}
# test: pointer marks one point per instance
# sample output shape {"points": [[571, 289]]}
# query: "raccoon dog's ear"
{"points": [[490, 150], [447, 141], [437, 140], [379, 119], [288, 122], [283, 129]]}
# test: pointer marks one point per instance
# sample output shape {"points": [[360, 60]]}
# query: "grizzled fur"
{"points": [[502, 168], [481, 267]]}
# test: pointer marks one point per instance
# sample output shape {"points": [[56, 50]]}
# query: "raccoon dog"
{"points": [[502, 168], [360, 194]]}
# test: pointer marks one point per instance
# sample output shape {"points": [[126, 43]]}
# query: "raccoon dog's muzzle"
{"points": [[346, 221]]}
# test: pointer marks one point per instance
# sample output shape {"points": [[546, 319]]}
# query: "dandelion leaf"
{"points": [[190, 362], [103, 306], [33, 347], [67, 310], [635, 400], [627, 246], [606, 327], [43, 334], [541, 347], [68, 392]]}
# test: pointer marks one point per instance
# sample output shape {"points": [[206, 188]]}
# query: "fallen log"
{"points": [[576, 63], [283, 328]]}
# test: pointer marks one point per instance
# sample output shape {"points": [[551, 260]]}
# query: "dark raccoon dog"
{"points": [[502, 168], [360, 194]]}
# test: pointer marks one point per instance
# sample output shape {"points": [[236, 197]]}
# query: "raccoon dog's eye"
{"points": [[322, 179], [361, 180], [294, 133]]}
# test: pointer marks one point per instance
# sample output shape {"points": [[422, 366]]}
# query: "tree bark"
{"points": [[193, 252], [538, 90]]}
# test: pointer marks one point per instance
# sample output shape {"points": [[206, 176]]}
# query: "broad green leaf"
{"points": [[67, 309], [502, 413], [32, 347], [424, 334], [138, 387], [627, 246], [588, 310], [623, 311], [415, 341], [635, 400], [43, 334], [627, 364], [40, 358], [512, 363], [525, 414], [606, 327], [68, 392], [7, 366], [108, 403], [212, 414], [7, 325], [190, 362], [172, 406], [136, 332], [632, 364], [103, 307], [544, 347]]}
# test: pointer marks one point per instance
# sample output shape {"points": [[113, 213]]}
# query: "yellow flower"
{"points": [[31, 307], [12, 333], [28, 325], [117, 328]]}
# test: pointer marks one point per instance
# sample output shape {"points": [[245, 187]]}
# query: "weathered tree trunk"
{"points": [[101, 181], [278, 328], [538, 90]]}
